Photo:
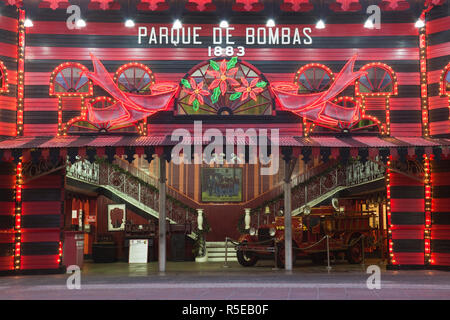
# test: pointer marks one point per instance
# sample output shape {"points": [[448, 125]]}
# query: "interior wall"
{"points": [[407, 220]]}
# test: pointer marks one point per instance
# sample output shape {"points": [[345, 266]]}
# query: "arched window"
{"points": [[68, 80], [445, 81], [3, 78], [312, 78], [69, 83], [134, 78], [80, 124], [374, 90], [224, 87]]}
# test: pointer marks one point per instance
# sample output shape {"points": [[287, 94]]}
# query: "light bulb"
{"points": [[419, 23], [368, 24], [270, 23], [28, 23], [224, 24], [81, 23], [177, 24], [129, 23]]}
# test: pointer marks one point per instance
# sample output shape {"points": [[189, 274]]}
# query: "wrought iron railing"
{"points": [[314, 189], [133, 188], [84, 170]]}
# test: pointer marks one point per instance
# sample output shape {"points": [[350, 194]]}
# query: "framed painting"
{"points": [[221, 184], [116, 217]]}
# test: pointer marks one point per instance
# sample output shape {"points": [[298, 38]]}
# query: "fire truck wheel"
{"points": [[246, 258], [354, 253], [281, 255], [318, 258]]}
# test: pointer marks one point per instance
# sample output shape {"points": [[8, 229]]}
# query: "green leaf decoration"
{"points": [[214, 65], [216, 95], [231, 63], [261, 84], [195, 105], [235, 96], [186, 83]]}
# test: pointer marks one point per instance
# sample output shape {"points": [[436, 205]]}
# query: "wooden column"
{"points": [[162, 214]]}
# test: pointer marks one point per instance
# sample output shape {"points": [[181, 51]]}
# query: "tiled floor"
{"points": [[212, 281]]}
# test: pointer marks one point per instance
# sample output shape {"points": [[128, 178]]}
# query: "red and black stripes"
{"points": [[7, 208], [438, 54], [406, 217], [42, 218], [50, 43], [440, 226], [8, 57]]}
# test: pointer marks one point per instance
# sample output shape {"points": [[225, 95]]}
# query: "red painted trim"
{"points": [[407, 233], [41, 207], [438, 25], [9, 24]]}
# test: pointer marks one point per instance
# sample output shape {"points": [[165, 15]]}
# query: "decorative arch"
{"points": [[81, 124], [444, 82], [224, 87], [69, 83], [68, 80], [312, 78], [374, 90], [136, 78], [3, 78]]}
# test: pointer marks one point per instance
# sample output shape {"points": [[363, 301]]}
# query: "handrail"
{"points": [[137, 190]]}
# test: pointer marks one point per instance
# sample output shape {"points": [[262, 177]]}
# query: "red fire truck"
{"points": [[344, 231]]}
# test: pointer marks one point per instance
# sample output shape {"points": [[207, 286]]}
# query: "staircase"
{"points": [[319, 184], [216, 252], [133, 187]]}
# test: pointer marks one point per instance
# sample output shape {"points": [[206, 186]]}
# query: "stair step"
{"points": [[221, 259], [220, 254], [216, 251]]}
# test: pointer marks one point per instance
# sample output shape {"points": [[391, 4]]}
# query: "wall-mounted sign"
{"points": [[116, 217], [224, 40], [138, 251]]}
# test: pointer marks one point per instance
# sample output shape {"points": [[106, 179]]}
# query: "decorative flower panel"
{"points": [[224, 87]]}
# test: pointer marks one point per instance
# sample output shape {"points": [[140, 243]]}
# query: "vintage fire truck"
{"points": [[344, 231]]}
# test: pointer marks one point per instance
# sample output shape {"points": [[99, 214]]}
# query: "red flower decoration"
{"points": [[196, 91], [249, 89], [222, 77]]}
